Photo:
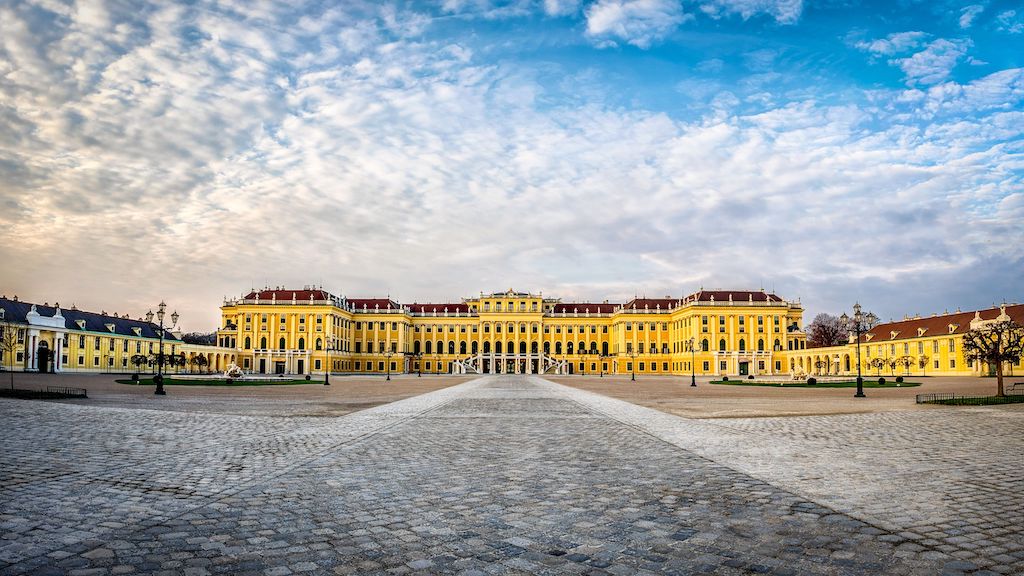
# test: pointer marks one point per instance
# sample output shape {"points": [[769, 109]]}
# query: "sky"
{"points": [[830, 151]]}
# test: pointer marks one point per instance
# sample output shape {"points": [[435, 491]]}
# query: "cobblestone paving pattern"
{"points": [[499, 475]]}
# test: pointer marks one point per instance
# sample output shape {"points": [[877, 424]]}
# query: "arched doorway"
{"points": [[43, 356]]}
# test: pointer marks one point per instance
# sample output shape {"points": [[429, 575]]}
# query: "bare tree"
{"points": [[878, 363], [922, 361], [907, 362], [9, 345], [825, 330], [995, 343]]}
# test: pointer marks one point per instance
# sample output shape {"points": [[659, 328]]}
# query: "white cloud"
{"points": [[561, 7], [933, 64], [637, 22], [784, 11], [969, 13], [193, 163], [1009, 22], [897, 43]]}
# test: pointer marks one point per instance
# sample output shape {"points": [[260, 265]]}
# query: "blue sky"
{"points": [[832, 151]]}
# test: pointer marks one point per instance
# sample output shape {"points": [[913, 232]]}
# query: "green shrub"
{"points": [[899, 378], [812, 381], [725, 378], [881, 381]]}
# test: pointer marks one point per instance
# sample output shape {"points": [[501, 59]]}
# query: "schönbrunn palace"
{"points": [[307, 331]]}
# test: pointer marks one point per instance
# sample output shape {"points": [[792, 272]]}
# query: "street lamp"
{"points": [[600, 363], [160, 311], [388, 355], [583, 358], [859, 324], [327, 365], [691, 345], [419, 364], [632, 365]]}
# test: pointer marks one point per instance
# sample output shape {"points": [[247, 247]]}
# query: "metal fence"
{"points": [[67, 391], [963, 399]]}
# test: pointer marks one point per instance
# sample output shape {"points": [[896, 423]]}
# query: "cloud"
{"points": [[969, 13], [784, 11], [561, 7], [208, 150], [637, 22], [933, 64], [897, 43], [1009, 22]]}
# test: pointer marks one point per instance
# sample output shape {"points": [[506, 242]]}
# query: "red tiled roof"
{"points": [[584, 307], [373, 303], [652, 303], [287, 295], [939, 325], [439, 308], [737, 296]]}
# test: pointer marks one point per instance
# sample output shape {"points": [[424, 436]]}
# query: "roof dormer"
{"points": [[137, 330], [893, 334], [953, 328], [921, 331], [81, 324], [110, 326]]}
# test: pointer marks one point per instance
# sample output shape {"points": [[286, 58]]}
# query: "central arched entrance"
{"points": [[43, 356]]}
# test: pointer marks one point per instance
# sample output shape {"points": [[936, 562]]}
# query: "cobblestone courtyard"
{"points": [[509, 474]]}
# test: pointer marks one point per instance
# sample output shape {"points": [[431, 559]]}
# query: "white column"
{"points": [[33, 336]]}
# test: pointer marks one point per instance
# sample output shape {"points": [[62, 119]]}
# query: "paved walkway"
{"points": [[507, 475]]}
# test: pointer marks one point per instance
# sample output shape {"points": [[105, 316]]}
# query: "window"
{"points": [[96, 343], [111, 347], [316, 364], [952, 346], [721, 345], [81, 341], [707, 366], [394, 325], [664, 366], [952, 363], [705, 345], [359, 347], [722, 366], [641, 367]]}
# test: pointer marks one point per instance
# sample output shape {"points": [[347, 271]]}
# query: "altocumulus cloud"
{"points": [[185, 151]]}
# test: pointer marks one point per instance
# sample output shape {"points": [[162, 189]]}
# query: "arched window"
{"points": [[497, 347], [533, 348], [475, 347], [558, 347], [760, 345], [568, 347], [319, 344], [451, 347], [263, 343], [416, 347], [604, 348], [462, 347], [704, 346], [281, 346], [426, 347], [440, 346], [248, 343], [302, 343], [487, 347], [721, 345], [743, 345], [778, 345], [522, 347], [581, 347], [510, 347], [593, 347], [547, 347]]}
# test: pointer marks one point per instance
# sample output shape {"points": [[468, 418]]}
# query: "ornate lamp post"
{"points": [[632, 365], [388, 356], [600, 363], [419, 364], [327, 363], [583, 358], [859, 324], [691, 346], [160, 311]]}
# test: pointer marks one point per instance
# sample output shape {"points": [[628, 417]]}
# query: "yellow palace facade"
{"points": [[710, 332]]}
